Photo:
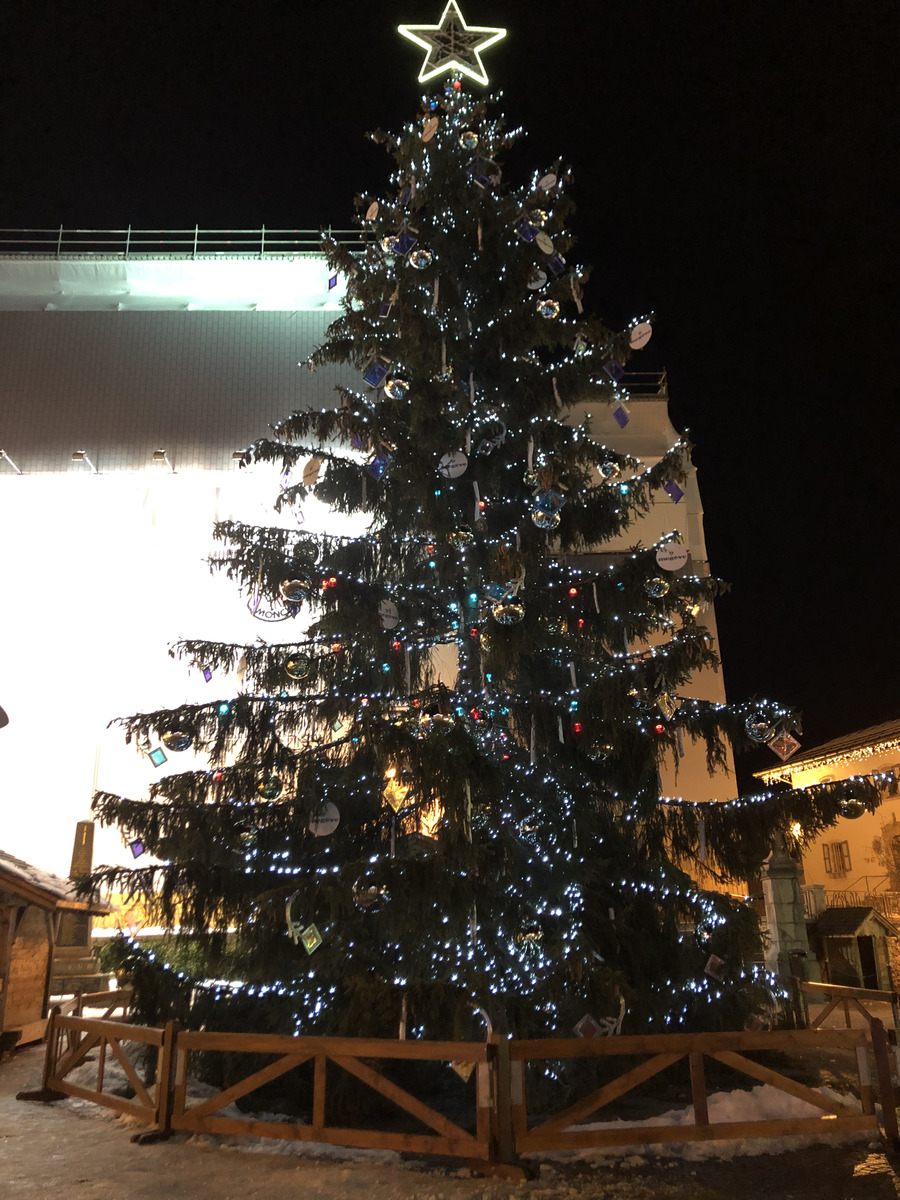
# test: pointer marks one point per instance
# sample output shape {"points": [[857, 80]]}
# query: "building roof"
{"points": [[849, 922], [873, 740], [41, 887]]}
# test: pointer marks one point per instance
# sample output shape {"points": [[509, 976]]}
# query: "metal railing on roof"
{"points": [[168, 243]]}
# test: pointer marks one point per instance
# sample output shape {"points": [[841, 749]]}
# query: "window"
{"points": [[837, 858]]}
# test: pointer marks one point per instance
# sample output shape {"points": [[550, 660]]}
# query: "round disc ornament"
{"points": [[452, 465], [547, 182], [468, 139], [611, 470], [270, 789], [758, 729], [537, 279], [387, 612], [640, 335], [295, 590], [429, 129], [325, 821], [177, 739], [656, 587], [851, 808], [297, 667], [544, 243], [421, 259], [508, 612], [395, 389], [389, 243], [545, 520], [372, 211], [671, 557], [549, 309]]}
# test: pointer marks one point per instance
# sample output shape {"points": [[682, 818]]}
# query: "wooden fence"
{"points": [[496, 1130]]}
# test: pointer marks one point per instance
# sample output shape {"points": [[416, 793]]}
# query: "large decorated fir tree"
{"points": [[437, 799]]}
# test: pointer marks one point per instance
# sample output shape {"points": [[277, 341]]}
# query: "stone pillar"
{"points": [[788, 954]]}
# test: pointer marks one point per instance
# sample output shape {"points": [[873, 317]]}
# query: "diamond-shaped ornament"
{"points": [[375, 374], [784, 746], [587, 1027], [311, 939], [673, 491]]}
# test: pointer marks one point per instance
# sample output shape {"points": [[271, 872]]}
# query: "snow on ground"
{"points": [[762, 1103]]}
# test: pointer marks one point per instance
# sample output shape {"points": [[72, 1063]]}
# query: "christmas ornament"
{"points": [[715, 968], [587, 1027], [372, 211], [640, 335], [851, 808], [325, 821], [364, 897], [297, 667], [548, 309], [421, 259], [673, 491], [536, 279], [137, 848], [468, 139], [311, 939], [176, 739], [538, 217], [387, 612], [543, 243], [484, 172], [489, 436], [758, 729], [549, 501], [395, 389], [429, 129], [547, 182], [668, 704], [271, 788], [379, 464], [452, 45], [671, 557], [395, 790], [295, 590], [389, 243], [311, 471], [784, 746], [656, 587], [610, 470], [485, 639], [526, 231], [614, 369], [508, 612], [406, 239], [453, 464], [375, 374], [463, 536], [545, 520], [620, 415]]}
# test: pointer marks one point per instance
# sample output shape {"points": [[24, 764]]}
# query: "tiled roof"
{"points": [[60, 889], [847, 922], [873, 735]]}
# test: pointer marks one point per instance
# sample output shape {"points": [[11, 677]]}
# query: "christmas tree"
{"points": [[439, 803]]}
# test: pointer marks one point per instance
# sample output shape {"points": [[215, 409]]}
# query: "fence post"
{"points": [[502, 1144], [165, 1087], [45, 1094], [885, 1083]]}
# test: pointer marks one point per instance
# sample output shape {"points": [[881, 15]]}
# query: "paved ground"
{"points": [[50, 1151]]}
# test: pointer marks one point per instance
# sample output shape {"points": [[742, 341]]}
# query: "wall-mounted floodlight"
{"points": [[3, 455], [81, 456], [162, 456]]}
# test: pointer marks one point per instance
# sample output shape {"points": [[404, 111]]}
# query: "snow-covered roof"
{"points": [[55, 892]]}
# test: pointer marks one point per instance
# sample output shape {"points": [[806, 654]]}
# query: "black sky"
{"points": [[736, 172]]}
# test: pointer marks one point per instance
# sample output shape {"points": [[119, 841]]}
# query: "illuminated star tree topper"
{"points": [[452, 45]]}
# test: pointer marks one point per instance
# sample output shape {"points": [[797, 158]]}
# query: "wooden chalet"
{"points": [[33, 904]]}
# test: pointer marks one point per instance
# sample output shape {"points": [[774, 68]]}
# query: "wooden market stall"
{"points": [[32, 905], [851, 947]]}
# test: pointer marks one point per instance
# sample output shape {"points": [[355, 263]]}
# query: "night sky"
{"points": [[736, 173]]}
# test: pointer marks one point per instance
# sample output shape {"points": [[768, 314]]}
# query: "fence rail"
{"points": [[169, 243], [498, 1131]]}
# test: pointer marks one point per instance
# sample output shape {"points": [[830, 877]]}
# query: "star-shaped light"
{"points": [[452, 45]]}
